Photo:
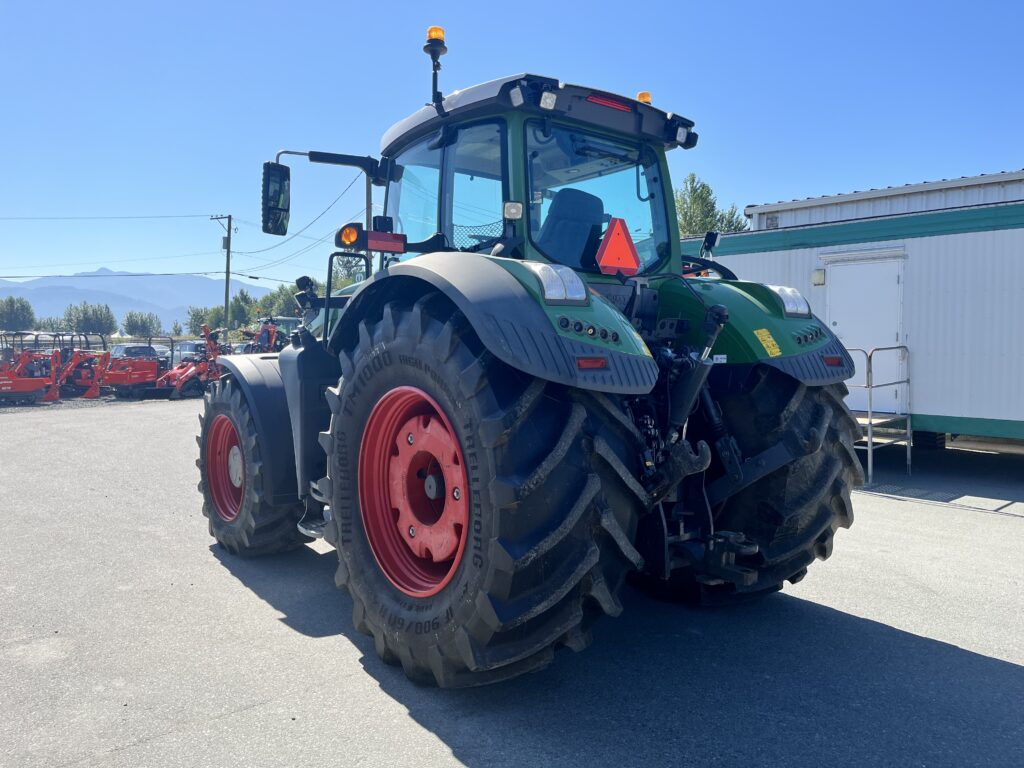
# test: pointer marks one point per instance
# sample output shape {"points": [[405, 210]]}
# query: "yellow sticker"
{"points": [[768, 342]]}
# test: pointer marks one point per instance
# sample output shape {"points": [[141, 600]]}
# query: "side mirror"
{"points": [[352, 267], [710, 241], [276, 198]]}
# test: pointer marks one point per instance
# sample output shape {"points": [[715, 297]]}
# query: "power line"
{"points": [[254, 224], [314, 221], [294, 254], [141, 274], [103, 218], [305, 249]]}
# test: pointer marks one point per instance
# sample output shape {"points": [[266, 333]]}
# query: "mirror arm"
{"points": [[277, 157], [368, 165], [327, 300]]}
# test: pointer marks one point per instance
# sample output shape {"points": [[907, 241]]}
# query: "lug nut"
{"points": [[412, 531], [409, 438], [456, 494]]}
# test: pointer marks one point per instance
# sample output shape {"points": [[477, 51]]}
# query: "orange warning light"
{"points": [[349, 235], [617, 252]]}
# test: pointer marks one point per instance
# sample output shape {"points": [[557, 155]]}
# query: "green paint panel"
{"points": [[597, 313], [965, 425], [758, 325], [875, 230]]}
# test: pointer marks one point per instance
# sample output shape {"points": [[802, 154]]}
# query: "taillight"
{"points": [[591, 363], [604, 101]]}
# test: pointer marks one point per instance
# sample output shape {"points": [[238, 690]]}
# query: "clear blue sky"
{"points": [[171, 108]]}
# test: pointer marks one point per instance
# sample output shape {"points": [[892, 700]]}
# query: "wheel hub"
{"points": [[235, 466], [411, 489], [225, 468], [433, 486]]}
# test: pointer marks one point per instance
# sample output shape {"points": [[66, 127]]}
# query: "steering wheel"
{"points": [[704, 265]]}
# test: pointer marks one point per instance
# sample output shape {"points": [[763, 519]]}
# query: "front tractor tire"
{"points": [[231, 479], [793, 513], [483, 518]]}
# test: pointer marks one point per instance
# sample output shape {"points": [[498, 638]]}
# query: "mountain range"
{"points": [[167, 296]]}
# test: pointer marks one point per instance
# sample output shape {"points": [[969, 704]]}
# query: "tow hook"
{"points": [[715, 558]]}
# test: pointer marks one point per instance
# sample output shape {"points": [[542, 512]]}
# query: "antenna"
{"points": [[436, 48]]}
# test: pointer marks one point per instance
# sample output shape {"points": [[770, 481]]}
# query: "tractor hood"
{"points": [[758, 331]]}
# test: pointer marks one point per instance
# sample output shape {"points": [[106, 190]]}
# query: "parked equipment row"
{"points": [[38, 367]]}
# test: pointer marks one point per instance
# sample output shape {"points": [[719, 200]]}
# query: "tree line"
{"points": [[17, 314], [243, 310]]}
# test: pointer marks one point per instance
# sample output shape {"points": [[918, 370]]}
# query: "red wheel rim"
{"points": [[225, 468], [413, 493]]}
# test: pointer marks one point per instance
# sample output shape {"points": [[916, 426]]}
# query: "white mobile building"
{"points": [[936, 267]]}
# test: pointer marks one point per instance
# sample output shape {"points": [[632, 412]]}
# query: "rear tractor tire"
{"points": [[793, 513], [231, 480], [483, 517]]}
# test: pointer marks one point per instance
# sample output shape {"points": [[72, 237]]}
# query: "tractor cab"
{"points": [[524, 167], [529, 167]]}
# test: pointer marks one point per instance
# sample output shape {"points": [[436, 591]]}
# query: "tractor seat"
{"points": [[572, 229]]}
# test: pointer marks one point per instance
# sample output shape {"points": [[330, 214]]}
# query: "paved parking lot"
{"points": [[127, 638]]}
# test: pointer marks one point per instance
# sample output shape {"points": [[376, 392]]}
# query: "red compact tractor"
{"points": [[80, 365], [26, 371], [135, 368], [265, 338], [192, 375]]}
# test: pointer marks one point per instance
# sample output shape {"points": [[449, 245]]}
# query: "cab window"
{"points": [[475, 187], [579, 181], [457, 189], [412, 200]]}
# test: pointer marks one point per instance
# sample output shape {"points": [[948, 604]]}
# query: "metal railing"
{"points": [[870, 385]]}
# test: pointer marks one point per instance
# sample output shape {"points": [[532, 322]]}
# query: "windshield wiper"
{"points": [[497, 245], [590, 150]]}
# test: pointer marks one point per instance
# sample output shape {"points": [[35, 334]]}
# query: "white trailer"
{"points": [[937, 268]]}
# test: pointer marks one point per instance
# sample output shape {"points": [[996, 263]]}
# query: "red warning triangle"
{"points": [[617, 252]]}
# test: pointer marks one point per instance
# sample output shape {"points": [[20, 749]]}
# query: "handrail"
{"points": [[870, 386]]}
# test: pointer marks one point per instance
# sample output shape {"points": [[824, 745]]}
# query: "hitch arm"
{"points": [[786, 451]]}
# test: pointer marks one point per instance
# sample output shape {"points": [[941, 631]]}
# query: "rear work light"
{"points": [[795, 305], [558, 283]]}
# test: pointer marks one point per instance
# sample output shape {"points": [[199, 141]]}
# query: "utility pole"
{"points": [[227, 267]]}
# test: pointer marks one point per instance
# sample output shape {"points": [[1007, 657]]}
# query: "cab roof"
{"points": [[545, 96]]}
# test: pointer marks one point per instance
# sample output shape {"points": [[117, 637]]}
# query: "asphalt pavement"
{"points": [[128, 638]]}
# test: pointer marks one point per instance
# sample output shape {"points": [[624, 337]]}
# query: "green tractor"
{"points": [[533, 396]]}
